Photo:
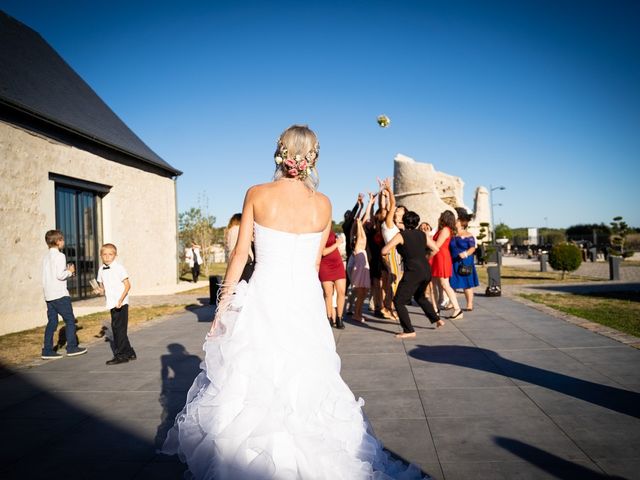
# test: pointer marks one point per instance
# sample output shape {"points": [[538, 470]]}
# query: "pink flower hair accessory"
{"points": [[296, 166]]}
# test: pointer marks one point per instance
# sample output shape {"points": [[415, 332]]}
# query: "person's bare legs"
{"points": [[468, 296], [341, 287], [327, 289], [444, 285], [438, 293], [387, 296], [429, 292], [361, 293], [376, 293]]}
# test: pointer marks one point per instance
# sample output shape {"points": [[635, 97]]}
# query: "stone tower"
{"points": [[419, 187]]}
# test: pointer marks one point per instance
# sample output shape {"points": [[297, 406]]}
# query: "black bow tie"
{"points": [[106, 267]]}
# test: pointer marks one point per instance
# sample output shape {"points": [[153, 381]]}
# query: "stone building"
{"points": [[428, 192], [68, 162]]}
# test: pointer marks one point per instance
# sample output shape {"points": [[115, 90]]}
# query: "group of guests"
{"points": [[392, 257]]}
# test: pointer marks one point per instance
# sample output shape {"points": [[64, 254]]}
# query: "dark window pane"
{"points": [[76, 218]]}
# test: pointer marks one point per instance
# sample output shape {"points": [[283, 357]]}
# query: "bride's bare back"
{"points": [[286, 205], [289, 206]]}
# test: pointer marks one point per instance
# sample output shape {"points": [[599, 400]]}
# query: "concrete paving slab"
{"points": [[627, 468], [473, 402], [407, 438], [550, 469], [476, 439], [51, 467], [607, 435], [454, 376], [394, 404], [583, 401]]}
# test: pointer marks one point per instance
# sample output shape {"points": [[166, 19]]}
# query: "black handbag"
{"points": [[464, 270]]}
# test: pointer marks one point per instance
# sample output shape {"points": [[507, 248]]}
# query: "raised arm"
{"points": [[361, 237], [381, 197], [367, 212], [392, 203]]}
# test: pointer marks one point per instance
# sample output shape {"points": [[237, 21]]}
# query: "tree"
{"points": [[484, 228], [552, 236], [483, 252], [196, 226], [503, 231], [619, 232], [565, 257], [589, 232]]}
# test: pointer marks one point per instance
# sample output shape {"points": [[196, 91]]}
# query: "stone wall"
{"points": [[139, 217]]}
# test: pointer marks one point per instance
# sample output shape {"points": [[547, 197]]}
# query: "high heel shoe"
{"points": [[339, 323], [331, 322]]}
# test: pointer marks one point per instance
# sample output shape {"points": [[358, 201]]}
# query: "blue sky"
{"points": [[542, 97]]}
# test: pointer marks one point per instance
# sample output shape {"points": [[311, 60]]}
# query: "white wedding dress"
{"points": [[270, 402]]}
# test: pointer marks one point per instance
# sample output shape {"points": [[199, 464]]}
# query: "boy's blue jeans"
{"points": [[60, 306]]}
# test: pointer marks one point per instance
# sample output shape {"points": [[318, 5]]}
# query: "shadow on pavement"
{"points": [[204, 312], [612, 398], [552, 464], [178, 371], [46, 436]]}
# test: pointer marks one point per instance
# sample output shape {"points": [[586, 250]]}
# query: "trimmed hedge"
{"points": [[565, 257]]}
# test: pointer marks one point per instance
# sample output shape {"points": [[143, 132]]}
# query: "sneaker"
{"points": [[50, 356], [74, 352]]}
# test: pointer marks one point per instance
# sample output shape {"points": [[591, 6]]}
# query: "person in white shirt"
{"points": [[194, 259], [113, 282], [55, 273]]}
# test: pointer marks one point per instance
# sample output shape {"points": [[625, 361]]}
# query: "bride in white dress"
{"points": [[270, 402]]}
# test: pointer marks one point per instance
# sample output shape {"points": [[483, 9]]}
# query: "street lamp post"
{"points": [[493, 225]]}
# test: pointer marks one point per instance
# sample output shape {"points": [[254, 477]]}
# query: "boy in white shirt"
{"points": [[55, 272], [113, 281]]}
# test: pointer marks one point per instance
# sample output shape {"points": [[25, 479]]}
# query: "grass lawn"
{"points": [[23, 347], [214, 269], [619, 310], [522, 276]]}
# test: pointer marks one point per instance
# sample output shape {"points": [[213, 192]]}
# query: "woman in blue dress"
{"points": [[462, 247]]}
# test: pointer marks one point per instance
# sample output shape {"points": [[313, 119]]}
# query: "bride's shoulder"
{"points": [[324, 205], [257, 190]]}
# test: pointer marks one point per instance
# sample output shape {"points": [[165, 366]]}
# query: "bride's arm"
{"points": [[325, 236], [239, 254], [323, 242]]}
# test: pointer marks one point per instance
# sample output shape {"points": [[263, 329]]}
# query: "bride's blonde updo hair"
{"points": [[297, 154]]}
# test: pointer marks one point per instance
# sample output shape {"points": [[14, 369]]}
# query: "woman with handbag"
{"points": [[463, 246]]}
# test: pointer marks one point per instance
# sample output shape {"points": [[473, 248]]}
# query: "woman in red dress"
{"points": [[442, 264], [332, 275]]}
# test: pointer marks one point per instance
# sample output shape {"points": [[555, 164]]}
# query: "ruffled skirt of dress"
{"points": [[269, 402]]}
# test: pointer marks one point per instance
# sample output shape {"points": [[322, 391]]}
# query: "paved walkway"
{"points": [[507, 392]]}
